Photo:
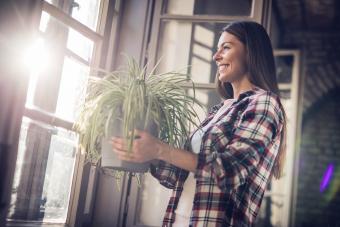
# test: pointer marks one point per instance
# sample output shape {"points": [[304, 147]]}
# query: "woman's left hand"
{"points": [[145, 147]]}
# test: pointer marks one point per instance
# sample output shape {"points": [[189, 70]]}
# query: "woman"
{"points": [[236, 149]]}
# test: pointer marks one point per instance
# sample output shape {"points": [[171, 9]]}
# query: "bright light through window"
{"points": [[72, 89], [36, 59]]}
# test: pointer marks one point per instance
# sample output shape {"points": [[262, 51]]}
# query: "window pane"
{"points": [[85, 11], [80, 45], [72, 89], [56, 77], [195, 46], [43, 174], [56, 31], [284, 67], [204, 7], [208, 97], [285, 94]]}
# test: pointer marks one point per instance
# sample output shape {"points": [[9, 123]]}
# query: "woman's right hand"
{"points": [[145, 148]]}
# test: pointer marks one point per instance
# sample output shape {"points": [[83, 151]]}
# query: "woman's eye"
{"points": [[226, 48]]}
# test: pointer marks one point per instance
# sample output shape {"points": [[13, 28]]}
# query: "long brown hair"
{"points": [[262, 73]]}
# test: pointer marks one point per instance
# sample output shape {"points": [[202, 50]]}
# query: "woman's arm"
{"points": [[146, 148]]}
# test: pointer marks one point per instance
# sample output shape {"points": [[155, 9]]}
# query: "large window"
{"points": [[68, 43]]}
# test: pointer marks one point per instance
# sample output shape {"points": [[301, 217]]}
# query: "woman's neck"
{"points": [[241, 86]]}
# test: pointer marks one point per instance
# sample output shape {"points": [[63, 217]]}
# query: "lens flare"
{"points": [[326, 177], [36, 57]]}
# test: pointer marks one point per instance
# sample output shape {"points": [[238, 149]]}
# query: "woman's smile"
{"points": [[222, 67]]}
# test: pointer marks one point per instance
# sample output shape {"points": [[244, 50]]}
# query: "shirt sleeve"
{"points": [[165, 173], [229, 158]]}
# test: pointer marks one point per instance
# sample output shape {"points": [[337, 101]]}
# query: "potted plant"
{"points": [[120, 101]]}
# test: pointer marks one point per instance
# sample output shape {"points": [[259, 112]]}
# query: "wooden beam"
{"points": [[69, 21]]}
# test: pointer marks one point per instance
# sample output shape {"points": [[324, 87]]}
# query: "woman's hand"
{"points": [[145, 147]]}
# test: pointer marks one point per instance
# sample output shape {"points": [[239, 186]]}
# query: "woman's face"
{"points": [[230, 58]]}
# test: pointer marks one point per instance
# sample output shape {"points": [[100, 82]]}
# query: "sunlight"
{"points": [[36, 57]]}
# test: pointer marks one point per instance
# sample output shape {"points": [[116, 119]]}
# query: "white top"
{"points": [[185, 203]]}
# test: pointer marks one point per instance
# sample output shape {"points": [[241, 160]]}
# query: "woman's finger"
{"points": [[128, 157], [118, 144], [138, 134], [117, 140]]}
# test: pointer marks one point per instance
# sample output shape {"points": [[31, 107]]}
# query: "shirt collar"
{"points": [[248, 93]]}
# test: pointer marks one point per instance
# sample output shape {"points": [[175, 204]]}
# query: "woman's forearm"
{"points": [[141, 152], [178, 157]]}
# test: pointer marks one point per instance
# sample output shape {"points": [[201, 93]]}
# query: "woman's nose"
{"points": [[216, 56]]}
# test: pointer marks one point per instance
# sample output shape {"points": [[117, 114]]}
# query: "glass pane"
{"points": [[56, 3], [72, 89], [43, 175], [208, 97], [285, 94], [204, 7], [80, 45], [52, 74], [85, 11], [284, 67], [56, 31], [195, 46]]}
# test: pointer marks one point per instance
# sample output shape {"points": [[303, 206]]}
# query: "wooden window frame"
{"points": [[45, 117]]}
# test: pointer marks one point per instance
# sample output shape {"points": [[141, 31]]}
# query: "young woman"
{"points": [[219, 178]]}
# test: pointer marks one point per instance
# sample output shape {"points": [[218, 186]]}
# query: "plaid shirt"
{"points": [[236, 157]]}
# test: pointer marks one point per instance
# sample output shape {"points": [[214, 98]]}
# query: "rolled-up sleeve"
{"points": [[229, 156], [165, 173]]}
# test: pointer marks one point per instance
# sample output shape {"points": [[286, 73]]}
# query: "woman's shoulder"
{"points": [[266, 102], [261, 96]]}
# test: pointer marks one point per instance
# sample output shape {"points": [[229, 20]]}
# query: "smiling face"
{"points": [[230, 58]]}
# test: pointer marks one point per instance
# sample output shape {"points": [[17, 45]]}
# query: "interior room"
{"points": [[51, 48]]}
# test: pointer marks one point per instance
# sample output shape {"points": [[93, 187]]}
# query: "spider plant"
{"points": [[134, 98]]}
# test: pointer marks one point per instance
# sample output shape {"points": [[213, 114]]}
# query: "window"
{"points": [[69, 42]]}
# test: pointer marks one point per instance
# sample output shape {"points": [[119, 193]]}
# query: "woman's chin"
{"points": [[224, 78]]}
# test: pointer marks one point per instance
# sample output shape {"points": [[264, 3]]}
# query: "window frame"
{"points": [[101, 41]]}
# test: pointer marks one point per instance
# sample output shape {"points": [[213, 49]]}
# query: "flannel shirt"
{"points": [[236, 157]]}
